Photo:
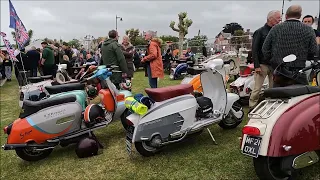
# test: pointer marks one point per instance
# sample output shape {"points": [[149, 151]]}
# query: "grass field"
{"points": [[196, 158]]}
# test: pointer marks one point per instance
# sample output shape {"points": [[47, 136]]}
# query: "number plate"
{"points": [[252, 146], [129, 139]]}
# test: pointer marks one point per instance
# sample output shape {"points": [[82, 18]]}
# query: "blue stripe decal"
{"points": [[35, 126]]}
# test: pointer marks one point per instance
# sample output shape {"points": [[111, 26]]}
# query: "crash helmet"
{"points": [[93, 114], [126, 85], [91, 91], [87, 147]]}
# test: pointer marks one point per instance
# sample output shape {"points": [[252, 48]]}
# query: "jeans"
{"points": [[8, 71], [33, 72], [153, 82]]}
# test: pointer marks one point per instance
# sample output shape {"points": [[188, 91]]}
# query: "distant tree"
{"points": [[198, 40], [169, 38], [232, 27], [183, 25], [139, 41], [74, 42], [239, 38], [30, 33], [133, 34]]}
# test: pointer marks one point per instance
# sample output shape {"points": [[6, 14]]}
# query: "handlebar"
{"points": [[313, 65]]}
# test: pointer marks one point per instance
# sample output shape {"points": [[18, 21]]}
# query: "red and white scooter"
{"points": [[283, 133]]}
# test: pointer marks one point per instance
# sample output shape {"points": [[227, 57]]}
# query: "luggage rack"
{"points": [[262, 111]]}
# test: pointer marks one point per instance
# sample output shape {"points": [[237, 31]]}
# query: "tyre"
{"points": [[145, 149], [269, 168], [123, 118], [29, 154], [230, 121]]}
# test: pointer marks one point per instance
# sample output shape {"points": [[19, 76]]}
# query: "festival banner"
{"points": [[10, 50], [22, 36]]}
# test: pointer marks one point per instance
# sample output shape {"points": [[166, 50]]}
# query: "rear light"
{"points": [[129, 123], [253, 131]]}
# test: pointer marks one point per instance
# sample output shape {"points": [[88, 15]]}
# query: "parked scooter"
{"points": [[176, 113], [179, 68], [43, 86], [59, 120], [282, 134], [244, 84]]}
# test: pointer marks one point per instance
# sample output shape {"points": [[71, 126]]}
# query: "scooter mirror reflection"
{"points": [[290, 58]]}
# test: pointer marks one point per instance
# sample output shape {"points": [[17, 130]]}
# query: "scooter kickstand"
{"points": [[214, 141]]}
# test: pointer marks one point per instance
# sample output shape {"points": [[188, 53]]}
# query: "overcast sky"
{"points": [[75, 19]]}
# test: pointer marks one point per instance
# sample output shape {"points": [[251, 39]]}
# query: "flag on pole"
{"points": [[10, 50], [22, 36]]}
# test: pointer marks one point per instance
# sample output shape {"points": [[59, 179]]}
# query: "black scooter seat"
{"points": [[64, 88], [31, 107], [290, 91], [39, 78]]}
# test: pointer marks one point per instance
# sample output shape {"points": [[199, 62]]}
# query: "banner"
{"points": [[10, 50], [22, 36]]}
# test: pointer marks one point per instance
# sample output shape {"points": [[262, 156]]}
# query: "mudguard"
{"points": [[298, 127]]}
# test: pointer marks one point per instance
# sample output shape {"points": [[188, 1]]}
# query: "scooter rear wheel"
{"points": [[269, 168], [28, 154]]}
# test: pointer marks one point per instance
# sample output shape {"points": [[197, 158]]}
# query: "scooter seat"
{"points": [[39, 78], [162, 94], [31, 107], [64, 88], [290, 91]]}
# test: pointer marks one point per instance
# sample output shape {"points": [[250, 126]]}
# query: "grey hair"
{"points": [[33, 48], [126, 37], [272, 13], [152, 33]]}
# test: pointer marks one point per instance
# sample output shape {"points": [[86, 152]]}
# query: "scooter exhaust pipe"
{"points": [[17, 146]]}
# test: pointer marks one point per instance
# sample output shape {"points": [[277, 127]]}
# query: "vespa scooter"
{"points": [[176, 113], [282, 134], [59, 120]]}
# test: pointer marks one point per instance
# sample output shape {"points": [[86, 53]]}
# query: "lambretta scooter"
{"points": [[59, 121], [282, 134], [176, 113]]}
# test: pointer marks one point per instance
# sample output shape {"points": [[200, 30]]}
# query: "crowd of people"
{"points": [[270, 44], [275, 40]]}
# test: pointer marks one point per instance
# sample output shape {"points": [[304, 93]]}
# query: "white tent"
{"points": [[36, 43]]}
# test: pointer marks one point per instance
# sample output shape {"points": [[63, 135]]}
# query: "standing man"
{"points": [[47, 60], [261, 65], [33, 58], [290, 37], [309, 20], [112, 55], [153, 59]]}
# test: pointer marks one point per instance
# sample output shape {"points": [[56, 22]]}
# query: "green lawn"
{"points": [[197, 158]]}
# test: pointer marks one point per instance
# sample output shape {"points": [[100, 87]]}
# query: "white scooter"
{"points": [[282, 134], [176, 113]]}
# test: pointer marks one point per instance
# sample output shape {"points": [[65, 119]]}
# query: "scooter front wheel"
{"points": [[29, 154], [145, 149], [231, 121], [269, 168]]}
